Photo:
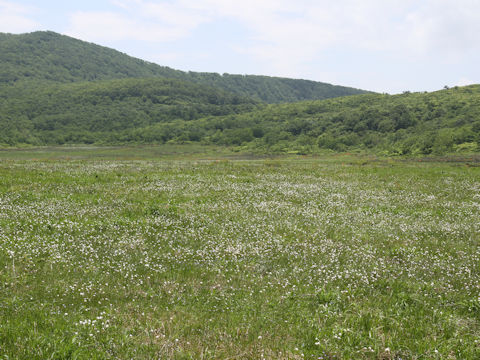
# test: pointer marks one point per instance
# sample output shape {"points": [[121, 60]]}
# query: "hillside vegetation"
{"points": [[273, 259], [53, 57], [104, 111], [410, 123], [58, 90], [160, 111]]}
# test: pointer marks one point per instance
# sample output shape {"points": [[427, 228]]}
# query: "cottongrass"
{"points": [[239, 259]]}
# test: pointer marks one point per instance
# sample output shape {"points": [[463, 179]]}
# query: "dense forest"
{"points": [[57, 90], [53, 57], [159, 111], [88, 112], [411, 123]]}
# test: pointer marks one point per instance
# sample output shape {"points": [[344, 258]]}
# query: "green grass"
{"points": [[134, 152], [105, 255]]}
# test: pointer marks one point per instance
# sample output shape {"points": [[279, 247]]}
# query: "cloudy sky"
{"points": [[380, 45]]}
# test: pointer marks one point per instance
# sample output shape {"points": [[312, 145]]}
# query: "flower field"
{"points": [[239, 259]]}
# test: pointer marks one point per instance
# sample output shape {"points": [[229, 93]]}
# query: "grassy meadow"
{"points": [[105, 254]]}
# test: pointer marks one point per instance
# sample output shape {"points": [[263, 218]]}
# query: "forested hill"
{"points": [[149, 111], [49, 56], [109, 111], [410, 123]]}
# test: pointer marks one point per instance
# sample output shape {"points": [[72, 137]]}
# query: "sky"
{"points": [[379, 45]]}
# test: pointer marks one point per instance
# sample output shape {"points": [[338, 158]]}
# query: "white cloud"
{"points": [[464, 82], [15, 18], [286, 37], [135, 20], [402, 26], [110, 26]]}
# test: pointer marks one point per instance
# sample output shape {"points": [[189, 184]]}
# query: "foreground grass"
{"points": [[281, 259]]}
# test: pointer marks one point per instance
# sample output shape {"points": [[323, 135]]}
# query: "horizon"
{"points": [[385, 48]]}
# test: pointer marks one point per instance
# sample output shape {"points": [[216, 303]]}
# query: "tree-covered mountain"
{"points": [[146, 111], [99, 111], [57, 90], [411, 123], [49, 56]]}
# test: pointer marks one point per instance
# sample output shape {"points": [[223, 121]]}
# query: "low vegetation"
{"points": [[322, 258]]}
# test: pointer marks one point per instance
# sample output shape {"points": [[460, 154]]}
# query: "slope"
{"points": [[159, 111], [53, 57], [108, 110], [410, 123]]}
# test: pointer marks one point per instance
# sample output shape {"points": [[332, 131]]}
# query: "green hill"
{"points": [[108, 110], [411, 123], [57, 58], [161, 110], [56, 90]]}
